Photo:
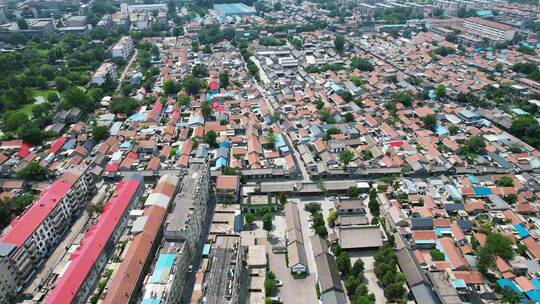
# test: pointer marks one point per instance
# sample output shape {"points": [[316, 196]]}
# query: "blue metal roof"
{"points": [[508, 283], [165, 261], [522, 232], [473, 179], [482, 191]]}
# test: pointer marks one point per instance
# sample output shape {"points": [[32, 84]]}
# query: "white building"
{"points": [[106, 69], [123, 48], [490, 30]]}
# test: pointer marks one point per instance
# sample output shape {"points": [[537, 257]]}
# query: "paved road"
{"points": [[128, 67], [57, 255]]}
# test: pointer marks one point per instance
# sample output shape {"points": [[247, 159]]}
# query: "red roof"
{"points": [[24, 150], [396, 143], [218, 107], [23, 227], [58, 143], [213, 85], [110, 167], [93, 242]]}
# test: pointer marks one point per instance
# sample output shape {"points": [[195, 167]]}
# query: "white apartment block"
{"points": [[106, 69], [123, 48], [29, 238], [490, 30]]}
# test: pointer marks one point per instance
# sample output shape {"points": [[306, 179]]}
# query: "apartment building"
{"points": [[123, 48], [88, 261], [493, 31], [28, 240], [367, 9], [185, 222], [107, 69], [165, 283], [144, 233]]}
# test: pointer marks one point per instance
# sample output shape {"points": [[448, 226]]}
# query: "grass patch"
{"points": [[27, 109], [43, 93]]}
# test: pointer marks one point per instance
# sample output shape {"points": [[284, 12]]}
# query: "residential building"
{"points": [[106, 70], [227, 188], [28, 240], [328, 278], [145, 235], [295, 240], [87, 262], [123, 48], [189, 207], [493, 31]]}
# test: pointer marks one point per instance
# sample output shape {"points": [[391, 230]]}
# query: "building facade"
{"points": [[25, 244]]}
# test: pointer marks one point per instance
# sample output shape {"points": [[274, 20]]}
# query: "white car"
{"points": [[276, 300], [278, 283]]}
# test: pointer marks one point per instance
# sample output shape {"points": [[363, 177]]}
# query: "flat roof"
{"points": [[233, 8]]}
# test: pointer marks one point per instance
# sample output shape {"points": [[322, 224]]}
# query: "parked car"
{"points": [[278, 283], [276, 299]]}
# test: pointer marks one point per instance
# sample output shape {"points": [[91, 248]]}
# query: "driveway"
{"points": [[297, 291]]}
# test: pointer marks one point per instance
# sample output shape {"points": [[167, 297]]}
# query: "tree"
{"points": [[343, 261], [339, 43], [440, 91], [496, 245], [210, 137], [75, 97], [347, 96], [61, 83], [271, 139], [270, 283], [123, 105], [267, 221], [206, 108], [475, 144], [436, 255], [349, 117], [332, 216], [429, 121], [33, 171], [358, 267], [224, 79], [346, 157], [404, 97], [453, 129], [99, 133], [52, 97], [171, 87], [200, 70], [312, 208], [192, 85], [394, 291], [278, 6], [351, 284], [451, 37], [361, 64], [184, 100], [249, 218], [505, 181], [282, 197], [353, 192], [13, 119]]}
